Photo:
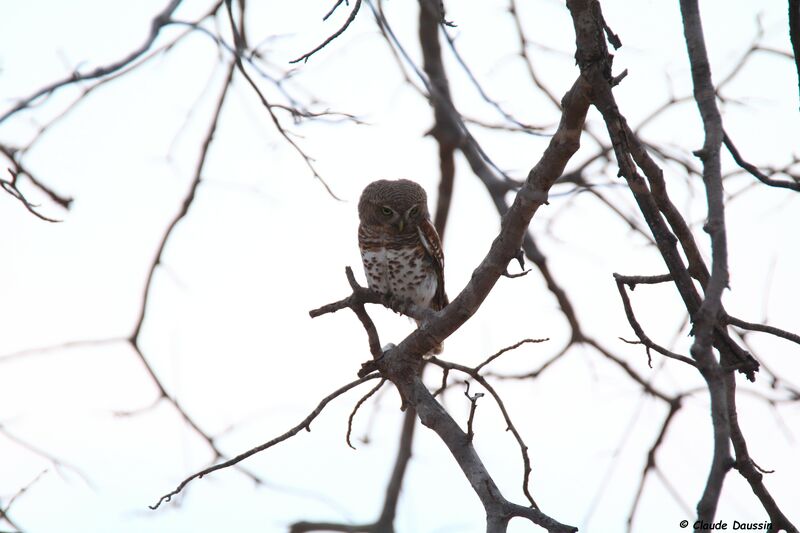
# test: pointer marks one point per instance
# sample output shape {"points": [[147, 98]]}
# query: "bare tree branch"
{"points": [[161, 20], [763, 328], [794, 34], [507, 349], [360, 402], [705, 320], [747, 467], [753, 170], [338, 32], [304, 424], [637, 328]]}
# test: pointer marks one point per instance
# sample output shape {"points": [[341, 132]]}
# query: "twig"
{"points": [[267, 105], [526, 461], [14, 157], [4, 510], [748, 468], [304, 424], [161, 20], [473, 405], [360, 402], [753, 170], [739, 323], [11, 188], [507, 349], [674, 407], [338, 32]]}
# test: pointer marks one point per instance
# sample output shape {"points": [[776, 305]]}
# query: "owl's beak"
{"points": [[400, 225]]}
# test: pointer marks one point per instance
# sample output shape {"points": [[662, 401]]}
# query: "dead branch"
{"points": [[748, 468], [385, 522], [160, 21], [705, 321], [754, 170], [651, 464], [733, 321], [10, 186], [526, 461], [336, 34], [473, 406], [309, 161], [304, 424], [360, 402], [637, 328], [507, 349]]}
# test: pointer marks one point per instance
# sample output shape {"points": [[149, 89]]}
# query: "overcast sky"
{"points": [[227, 327]]}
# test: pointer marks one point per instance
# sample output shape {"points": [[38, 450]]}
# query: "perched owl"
{"points": [[400, 248]]}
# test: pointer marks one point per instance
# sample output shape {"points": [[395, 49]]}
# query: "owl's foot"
{"points": [[394, 303], [439, 348]]}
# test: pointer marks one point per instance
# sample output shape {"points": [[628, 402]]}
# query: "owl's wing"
{"points": [[433, 245]]}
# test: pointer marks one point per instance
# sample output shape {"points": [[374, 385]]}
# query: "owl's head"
{"points": [[397, 206]]}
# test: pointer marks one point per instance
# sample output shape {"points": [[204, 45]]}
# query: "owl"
{"points": [[400, 248]]}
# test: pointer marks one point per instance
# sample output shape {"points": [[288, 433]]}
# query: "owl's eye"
{"points": [[387, 211], [413, 211]]}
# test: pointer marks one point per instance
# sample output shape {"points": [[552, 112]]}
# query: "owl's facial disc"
{"points": [[390, 217]]}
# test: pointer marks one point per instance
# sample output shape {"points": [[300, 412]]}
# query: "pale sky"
{"points": [[227, 329]]}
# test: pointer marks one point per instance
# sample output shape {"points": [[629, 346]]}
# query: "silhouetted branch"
{"points": [[338, 32], [753, 170], [526, 461], [473, 405], [748, 468], [304, 424], [309, 161], [161, 20], [360, 402], [705, 320], [507, 349], [4, 510], [794, 34], [10, 186], [674, 407], [637, 328]]}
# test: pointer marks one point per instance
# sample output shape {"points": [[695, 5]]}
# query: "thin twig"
{"points": [[753, 170], [507, 349], [336, 34], [304, 424], [360, 402]]}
